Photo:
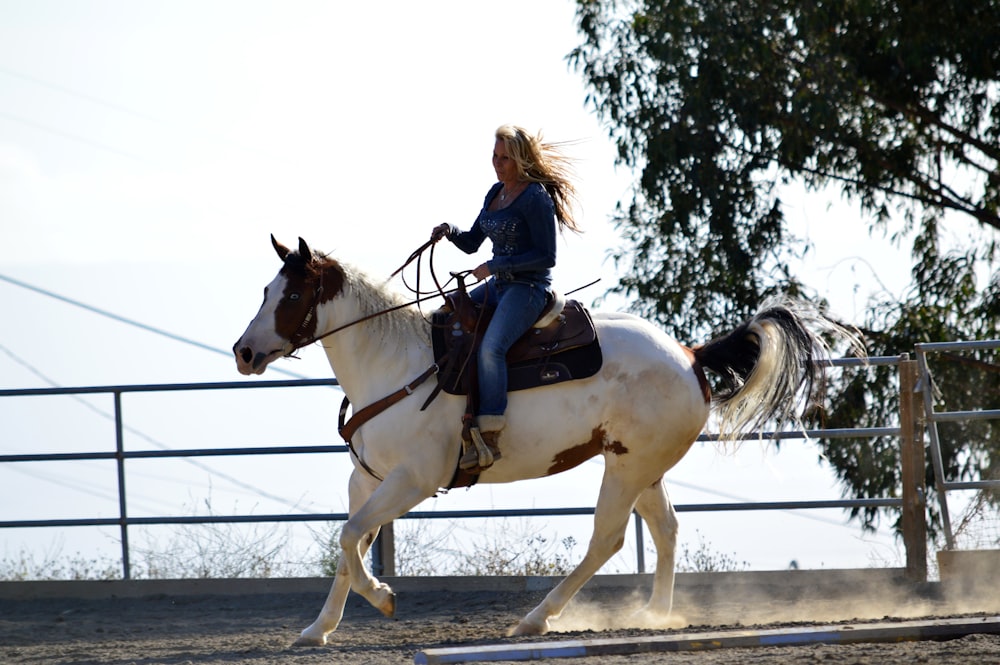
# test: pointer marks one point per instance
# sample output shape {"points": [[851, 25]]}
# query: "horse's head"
{"points": [[287, 318]]}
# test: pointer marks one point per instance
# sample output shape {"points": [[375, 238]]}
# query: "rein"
{"points": [[311, 312], [420, 297]]}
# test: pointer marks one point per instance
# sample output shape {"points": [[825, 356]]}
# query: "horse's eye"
{"points": [[294, 296]]}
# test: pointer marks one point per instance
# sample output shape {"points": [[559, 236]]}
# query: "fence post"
{"points": [[640, 546], [912, 473], [122, 501], [384, 552]]}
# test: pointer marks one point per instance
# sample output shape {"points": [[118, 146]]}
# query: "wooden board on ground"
{"points": [[896, 631]]}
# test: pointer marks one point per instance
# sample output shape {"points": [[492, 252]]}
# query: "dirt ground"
{"points": [[259, 629]]}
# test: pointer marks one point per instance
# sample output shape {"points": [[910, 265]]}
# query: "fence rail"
{"points": [[908, 431]]}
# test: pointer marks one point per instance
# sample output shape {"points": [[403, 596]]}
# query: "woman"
{"points": [[520, 213]]}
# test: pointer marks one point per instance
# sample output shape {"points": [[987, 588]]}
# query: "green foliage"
{"points": [[533, 555], [717, 104], [225, 551], [942, 305], [214, 551], [328, 541], [704, 559], [221, 551], [420, 549], [25, 565]]}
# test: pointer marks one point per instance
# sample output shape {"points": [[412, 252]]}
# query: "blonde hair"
{"points": [[544, 163]]}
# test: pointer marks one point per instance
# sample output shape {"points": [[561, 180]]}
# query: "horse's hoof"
{"points": [[388, 608], [309, 641], [527, 628]]}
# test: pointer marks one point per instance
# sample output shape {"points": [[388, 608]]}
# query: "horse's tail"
{"points": [[771, 364]]}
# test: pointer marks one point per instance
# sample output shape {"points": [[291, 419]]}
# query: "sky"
{"points": [[149, 149]]}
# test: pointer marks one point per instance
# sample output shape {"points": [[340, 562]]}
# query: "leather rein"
{"points": [[295, 346]]}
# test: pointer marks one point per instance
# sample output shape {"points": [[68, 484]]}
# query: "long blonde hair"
{"points": [[544, 163]]}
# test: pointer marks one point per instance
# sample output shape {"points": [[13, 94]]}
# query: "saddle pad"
{"points": [[576, 363]]}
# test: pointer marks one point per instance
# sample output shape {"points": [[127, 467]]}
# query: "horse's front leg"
{"points": [[360, 487], [332, 612], [390, 499]]}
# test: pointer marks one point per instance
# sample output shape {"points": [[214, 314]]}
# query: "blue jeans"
{"points": [[519, 305]]}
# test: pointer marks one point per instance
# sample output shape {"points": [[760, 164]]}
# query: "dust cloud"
{"points": [[758, 600]]}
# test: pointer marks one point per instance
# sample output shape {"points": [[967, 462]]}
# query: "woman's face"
{"points": [[502, 163]]}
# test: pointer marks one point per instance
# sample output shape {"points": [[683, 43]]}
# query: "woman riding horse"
{"points": [[519, 215]]}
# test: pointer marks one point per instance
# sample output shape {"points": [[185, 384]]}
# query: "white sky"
{"points": [[147, 151]]}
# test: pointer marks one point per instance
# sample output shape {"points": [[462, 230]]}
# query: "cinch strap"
{"points": [[348, 429]]}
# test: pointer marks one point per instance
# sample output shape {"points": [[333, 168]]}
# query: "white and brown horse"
{"points": [[641, 412]]}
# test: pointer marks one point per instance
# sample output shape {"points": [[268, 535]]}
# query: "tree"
{"points": [[718, 104]]}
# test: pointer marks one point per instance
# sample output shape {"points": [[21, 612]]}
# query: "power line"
{"points": [[121, 319], [733, 497], [255, 490], [67, 135], [136, 324], [66, 482], [162, 446], [76, 93], [743, 499], [211, 134]]}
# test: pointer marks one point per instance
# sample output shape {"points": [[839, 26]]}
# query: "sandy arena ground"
{"points": [[259, 628]]}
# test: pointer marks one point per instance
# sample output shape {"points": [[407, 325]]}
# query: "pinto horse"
{"points": [[641, 412]]}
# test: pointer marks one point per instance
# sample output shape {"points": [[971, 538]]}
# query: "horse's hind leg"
{"points": [[614, 505], [655, 508]]}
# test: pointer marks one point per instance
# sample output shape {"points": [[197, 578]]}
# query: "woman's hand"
{"points": [[440, 231], [481, 272]]}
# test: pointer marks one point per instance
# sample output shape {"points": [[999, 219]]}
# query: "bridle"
{"points": [[294, 346]]}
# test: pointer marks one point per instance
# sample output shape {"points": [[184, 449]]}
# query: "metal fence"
{"points": [[907, 429], [942, 484]]}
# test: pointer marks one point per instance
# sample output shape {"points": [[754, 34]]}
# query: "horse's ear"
{"points": [[279, 248], [304, 251]]}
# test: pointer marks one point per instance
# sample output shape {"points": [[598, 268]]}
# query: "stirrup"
{"points": [[477, 456]]}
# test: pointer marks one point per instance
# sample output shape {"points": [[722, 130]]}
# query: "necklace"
{"points": [[504, 193]]}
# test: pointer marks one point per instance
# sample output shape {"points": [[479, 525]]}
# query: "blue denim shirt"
{"points": [[523, 236]]}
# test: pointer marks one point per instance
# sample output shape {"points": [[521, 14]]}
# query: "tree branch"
{"points": [[933, 119], [942, 200]]}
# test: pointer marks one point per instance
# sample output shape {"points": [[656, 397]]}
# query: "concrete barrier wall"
{"points": [[836, 582]]}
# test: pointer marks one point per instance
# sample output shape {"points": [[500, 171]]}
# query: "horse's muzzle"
{"points": [[248, 362]]}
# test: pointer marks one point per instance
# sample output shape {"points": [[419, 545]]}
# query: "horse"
{"points": [[641, 411]]}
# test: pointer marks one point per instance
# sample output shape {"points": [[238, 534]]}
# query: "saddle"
{"points": [[561, 346]]}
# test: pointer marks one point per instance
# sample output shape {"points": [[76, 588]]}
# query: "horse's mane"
{"points": [[375, 297]]}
